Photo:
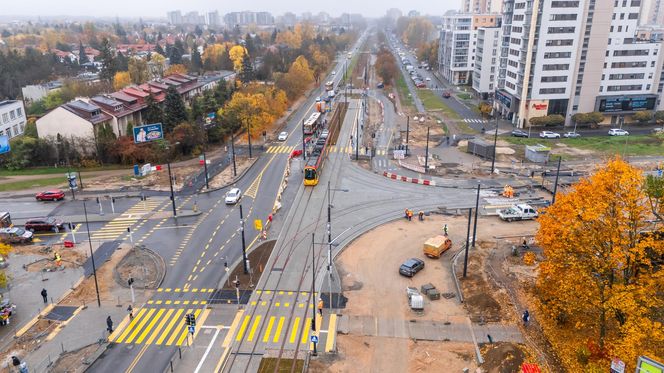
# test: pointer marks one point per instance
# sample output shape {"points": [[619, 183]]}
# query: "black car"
{"points": [[519, 133], [411, 266]]}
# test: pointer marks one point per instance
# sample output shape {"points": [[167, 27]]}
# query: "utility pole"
{"points": [[465, 259], [244, 249], [477, 207], [170, 179], [248, 137], [357, 139], [313, 282], [304, 146], [233, 151], [495, 141], [407, 132], [329, 242], [426, 154], [555, 186], [207, 181], [92, 255]]}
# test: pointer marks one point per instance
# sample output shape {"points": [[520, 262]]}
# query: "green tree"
{"points": [[174, 109], [196, 61], [108, 67], [31, 128], [592, 118], [82, 58], [153, 111], [659, 116], [138, 70], [53, 100], [247, 72]]}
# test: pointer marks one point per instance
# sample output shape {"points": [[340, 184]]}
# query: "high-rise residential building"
{"points": [[174, 17], [413, 13], [248, 18], [487, 57], [193, 18], [652, 12], [288, 19], [394, 14], [481, 6], [576, 56], [458, 43], [212, 19]]}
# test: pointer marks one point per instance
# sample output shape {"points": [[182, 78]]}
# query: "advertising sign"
{"points": [[4, 144], [647, 365], [617, 366], [624, 103], [210, 117], [148, 132]]}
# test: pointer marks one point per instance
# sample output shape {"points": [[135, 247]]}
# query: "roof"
{"points": [[116, 108], [90, 112], [8, 102], [125, 98], [158, 85]]}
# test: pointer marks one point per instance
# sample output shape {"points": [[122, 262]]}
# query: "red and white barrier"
{"points": [[407, 179]]}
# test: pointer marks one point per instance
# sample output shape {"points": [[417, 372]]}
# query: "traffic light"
{"points": [[187, 318], [192, 319], [130, 281]]}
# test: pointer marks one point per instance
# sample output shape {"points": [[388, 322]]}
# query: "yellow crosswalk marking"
{"points": [[331, 333], [138, 316], [155, 333], [304, 330], [270, 323], [293, 334], [170, 326], [277, 333], [140, 325], [240, 333], [150, 326], [178, 330], [257, 322]]}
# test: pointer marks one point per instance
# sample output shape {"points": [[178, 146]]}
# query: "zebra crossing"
{"points": [[288, 149], [474, 120], [157, 326], [118, 226]]}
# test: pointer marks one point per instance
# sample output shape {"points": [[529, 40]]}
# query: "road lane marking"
{"points": [[161, 324], [296, 323], [277, 333], [186, 333], [304, 330], [150, 326], [332, 333], [133, 323], [140, 325], [178, 329], [166, 331], [270, 323], [257, 321], [240, 333]]}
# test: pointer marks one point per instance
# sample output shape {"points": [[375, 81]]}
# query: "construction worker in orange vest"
{"points": [[58, 259], [410, 215], [320, 306]]}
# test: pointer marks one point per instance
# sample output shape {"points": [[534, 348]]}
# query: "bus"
{"points": [[329, 86], [312, 123]]}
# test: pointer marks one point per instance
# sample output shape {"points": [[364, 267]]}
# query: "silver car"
{"points": [[233, 196]]}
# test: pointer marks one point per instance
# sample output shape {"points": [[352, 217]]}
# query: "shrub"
{"points": [[643, 116]]}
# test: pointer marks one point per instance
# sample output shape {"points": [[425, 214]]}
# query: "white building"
{"points": [[458, 44], [76, 120], [487, 56], [574, 57], [36, 92], [481, 6], [174, 17], [12, 118]]}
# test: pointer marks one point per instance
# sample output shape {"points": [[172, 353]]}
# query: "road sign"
{"points": [[258, 224], [399, 154], [617, 366], [192, 329], [314, 338]]}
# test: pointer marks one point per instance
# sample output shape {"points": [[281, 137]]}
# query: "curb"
{"points": [[235, 180], [407, 179]]}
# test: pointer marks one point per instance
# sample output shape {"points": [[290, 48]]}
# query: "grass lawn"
{"points": [[27, 184], [464, 96], [625, 145], [402, 88], [433, 102], [53, 170], [285, 365]]}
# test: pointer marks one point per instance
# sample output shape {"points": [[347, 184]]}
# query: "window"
{"points": [[511, 74], [12, 115], [519, 17], [554, 67], [624, 65], [551, 79], [564, 4], [632, 87], [15, 127], [631, 52], [626, 76], [513, 63], [619, 28], [516, 41], [624, 3], [635, 3], [517, 29], [510, 85], [545, 91], [514, 52], [633, 16], [5, 117], [519, 5], [622, 16], [19, 112], [562, 17], [561, 30], [557, 54], [559, 42]]}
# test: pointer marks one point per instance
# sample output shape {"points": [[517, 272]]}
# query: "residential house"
{"points": [[12, 118], [77, 120]]}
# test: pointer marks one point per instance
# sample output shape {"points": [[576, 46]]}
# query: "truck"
{"points": [[434, 247], [518, 212]]}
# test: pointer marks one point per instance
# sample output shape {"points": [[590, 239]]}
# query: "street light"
{"points": [[92, 255], [495, 141], [233, 152], [426, 154], [244, 249], [329, 235]]}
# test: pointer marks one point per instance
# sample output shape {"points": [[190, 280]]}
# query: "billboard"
{"points": [[148, 132], [4, 144], [210, 117], [626, 103]]}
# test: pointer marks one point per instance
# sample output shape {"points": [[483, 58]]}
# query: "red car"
{"points": [[50, 195], [43, 224]]}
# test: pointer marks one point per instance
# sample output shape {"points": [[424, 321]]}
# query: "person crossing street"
{"points": [[109, 324], [44, 295]]}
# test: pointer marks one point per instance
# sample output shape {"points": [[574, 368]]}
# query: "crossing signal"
{"points": [[190, 319]]}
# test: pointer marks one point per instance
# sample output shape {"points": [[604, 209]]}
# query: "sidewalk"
{"points": [[96, 218]]}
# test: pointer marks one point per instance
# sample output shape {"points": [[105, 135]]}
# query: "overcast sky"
{"points": [[132, 8]]}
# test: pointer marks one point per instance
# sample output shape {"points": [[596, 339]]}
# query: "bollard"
{"points": [[171, 362], [62, 344], [180, 352]]}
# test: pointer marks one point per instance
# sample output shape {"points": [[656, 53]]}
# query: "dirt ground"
{"points": [[226, 177], [71, 257], [72, 362], [375, 354], [157, 180], [27, 343], [371, 290], [141, 265]]}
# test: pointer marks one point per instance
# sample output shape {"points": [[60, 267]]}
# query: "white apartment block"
{"points": [[481, 6], [487, 55], [458, 44], [570, 56], [12, 118]]}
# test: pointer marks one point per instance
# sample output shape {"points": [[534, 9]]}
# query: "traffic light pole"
{"points": [[207, 181], [170, 179], [244, 249], [92, 255]]}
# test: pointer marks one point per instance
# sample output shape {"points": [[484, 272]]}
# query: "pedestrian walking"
{"points": [[320, 306], [526, 317], [410, 215], [405, 214], [447, 138], [420, 215], [445, 229], [130, 309], [109, 324], [44, 295]]}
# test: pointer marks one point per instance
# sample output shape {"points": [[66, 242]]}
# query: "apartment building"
{"points": [[12, 118], [481, 6], [570, 56], [458, 44], [487, 56], [248, 18]]}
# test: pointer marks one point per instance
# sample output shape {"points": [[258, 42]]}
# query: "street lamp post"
{"points": [[170, 180], [426, 154], [244, 249], [233, 152], [329, 236], [495, 141], [248, 137], [357, 139], [407, 132], [555, 186], [92, 255], [207, 181], [477, 206], [465, 259]]}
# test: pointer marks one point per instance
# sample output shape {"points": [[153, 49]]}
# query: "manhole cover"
{"points": [[61, 313]]}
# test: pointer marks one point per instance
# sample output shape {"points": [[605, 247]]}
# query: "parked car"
{"points": [[618, 132], [447, 94], [657, 130], [43, 224], [549, 135], [411, 266], [233, 196], [571, 135], [50, 195], [380, 85], [15, 235], [519, 133], [518, 212], [421, 85], [282, 136], [428, 79]]}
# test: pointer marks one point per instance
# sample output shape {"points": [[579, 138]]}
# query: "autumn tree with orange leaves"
{"points": [[600, 287]]}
